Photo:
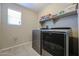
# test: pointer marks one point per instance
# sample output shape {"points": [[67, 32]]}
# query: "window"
{"points": [[14, 17]]}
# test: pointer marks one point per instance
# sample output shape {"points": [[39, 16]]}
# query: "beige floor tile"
{"points": [[24, 50]]}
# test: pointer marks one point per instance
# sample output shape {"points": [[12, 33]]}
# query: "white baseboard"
{"points": [[14, 46]]}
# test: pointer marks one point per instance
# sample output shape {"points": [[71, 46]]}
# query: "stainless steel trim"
{"points": [[67, 44]]}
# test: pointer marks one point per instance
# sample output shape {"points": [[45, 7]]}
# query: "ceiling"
{"points": [[37, 7]]}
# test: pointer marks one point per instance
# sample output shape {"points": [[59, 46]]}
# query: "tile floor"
{"points": [[24, 50]]}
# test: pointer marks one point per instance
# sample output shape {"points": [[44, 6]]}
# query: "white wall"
{"points": [[71, 21], [13, 35]]}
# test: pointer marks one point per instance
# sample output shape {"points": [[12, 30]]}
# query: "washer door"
{"points": [[54, 44]]}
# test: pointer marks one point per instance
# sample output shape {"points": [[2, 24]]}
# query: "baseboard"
{"points": [[14, 46]]}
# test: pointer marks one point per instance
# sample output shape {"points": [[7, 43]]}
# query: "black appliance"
{"points": [[36, 41], [54, 43]]}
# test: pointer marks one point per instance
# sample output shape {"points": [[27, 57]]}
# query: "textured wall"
{"points": [[13, 35]]}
